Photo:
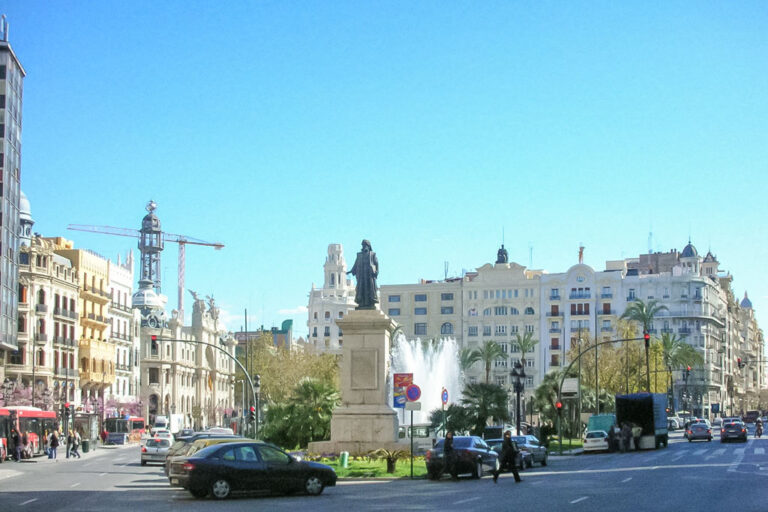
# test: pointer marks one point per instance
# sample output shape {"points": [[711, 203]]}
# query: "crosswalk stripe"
{"points": [[759, 451], [700, 452], [739, 451]]}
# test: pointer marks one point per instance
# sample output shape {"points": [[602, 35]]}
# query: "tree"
{"points": [[484, 401], [643, 313], [457, 418], [526, 343], [488, 352], [675, 352], [467, 357], [545, 396]]}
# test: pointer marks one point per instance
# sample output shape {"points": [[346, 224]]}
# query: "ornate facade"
{"points": [[330, 303]]}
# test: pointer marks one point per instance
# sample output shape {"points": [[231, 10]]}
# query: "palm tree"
{"points": [[311, 406], [643, 313], [489, 352], [545, 396], [467, 357], [526, 344], [484, 401], [676, 352]]}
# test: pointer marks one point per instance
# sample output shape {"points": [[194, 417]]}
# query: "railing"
{"points": [[608, 295], [72, 315], [554, 363], [554, 347], [579, 313], [580, 295], [41, 336], [631, 298], [606, 329], [41, 308], [667, 330], [553, 330], [684, 330], [554, 313], [607, 312], [554, 297]]}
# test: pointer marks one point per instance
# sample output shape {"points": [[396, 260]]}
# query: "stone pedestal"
{"points": [[364, 421]]}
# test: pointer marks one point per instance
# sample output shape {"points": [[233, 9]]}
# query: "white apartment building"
{"points": [[124, 334], [329, 303]]}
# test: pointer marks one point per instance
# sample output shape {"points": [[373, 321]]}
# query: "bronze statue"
{"points": [[366, 270]]}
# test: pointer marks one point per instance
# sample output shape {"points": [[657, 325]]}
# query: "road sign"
{"points": [[413, 406], [413, 392], [402, 380], [444, 396]]}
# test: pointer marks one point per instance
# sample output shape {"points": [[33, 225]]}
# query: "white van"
{"points": [[424, 437]]}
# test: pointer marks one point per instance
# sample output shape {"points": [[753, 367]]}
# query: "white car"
{"points": [[595, 440]]}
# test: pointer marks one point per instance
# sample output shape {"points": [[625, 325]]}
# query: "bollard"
{"points": [[344, 459]]}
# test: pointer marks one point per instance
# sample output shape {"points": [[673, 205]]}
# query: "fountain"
{"points": [[434, 365]]}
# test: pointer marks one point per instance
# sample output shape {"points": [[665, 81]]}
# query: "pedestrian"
{"points": [[16, 444], [46, 441], [626, 437], [70, 438], [104, 435], [76, 440], [25, 445], [449, 456], [611, 439], [54, 444], [637, 432], [508, 457]]}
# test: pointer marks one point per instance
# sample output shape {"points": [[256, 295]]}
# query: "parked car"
{"points": [[154, 450], [698, 431], [175, 463], [252, 466], [182, 444], [673, 424], [595, 440], [473, 455], [531, 444], [523, 460], [733, 430]]}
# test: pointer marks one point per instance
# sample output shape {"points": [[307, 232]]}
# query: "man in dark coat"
{"points": [[508, 457], [366, 270], [449, 456]]}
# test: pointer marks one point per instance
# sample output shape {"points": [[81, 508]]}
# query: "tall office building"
{"points": [[11, 82]]}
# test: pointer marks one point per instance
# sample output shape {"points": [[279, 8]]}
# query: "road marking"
{"points": [[678, 457], [739, 451], [467, 500], [28, 501], [102, 474], [577, 499], [75, 484], [626, 480], [759, 451], [700, 452]]}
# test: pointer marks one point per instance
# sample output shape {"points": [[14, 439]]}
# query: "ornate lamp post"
{"points": [[518, 376]]}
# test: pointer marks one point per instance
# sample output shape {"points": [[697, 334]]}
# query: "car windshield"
{"points": [[520, 439], [596, 435], [458, 442]]}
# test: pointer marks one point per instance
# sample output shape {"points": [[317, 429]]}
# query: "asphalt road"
{"points": [[684, 476]]}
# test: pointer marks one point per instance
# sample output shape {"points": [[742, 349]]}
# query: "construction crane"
{"points": [[182, 240]]}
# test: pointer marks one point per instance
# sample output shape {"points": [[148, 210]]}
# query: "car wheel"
{"points": [[198, 493], [433, 475], [530, 462], [143, 463], [313, 485], [544, 461], [220, 489]]}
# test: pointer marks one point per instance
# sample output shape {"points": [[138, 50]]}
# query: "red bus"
{"points": [[30, 420]]}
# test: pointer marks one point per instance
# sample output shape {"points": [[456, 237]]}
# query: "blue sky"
{"points": [[427, 127]]}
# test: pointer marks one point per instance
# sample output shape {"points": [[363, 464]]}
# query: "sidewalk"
{"points": [[9, 469]]}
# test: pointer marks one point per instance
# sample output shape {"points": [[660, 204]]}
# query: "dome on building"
{"points": [[709, 258], [150, 222], [745, 302], [24, 208], [147, 297], [689, 251]]}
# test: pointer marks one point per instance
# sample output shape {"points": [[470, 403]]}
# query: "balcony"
{"points": [[630, 298], [554, 362], [607, 312], [41, 308], [60, 312], [72, 315], [667, 330], [554, 330], [554, 297], [555, 347], [554, 314], [684, 330], [607, 295], [606, 329], [580, 295], [579, 313], [66, 372], [96, 295], [41, 337]]}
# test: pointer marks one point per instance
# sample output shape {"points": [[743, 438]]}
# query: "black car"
{"points": [[523, 460], [250, 466], [733, 430], [473, 456], [531, 444], [181, 443]]}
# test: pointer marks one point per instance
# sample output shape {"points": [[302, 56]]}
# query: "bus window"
{"points": [[137, 424]]}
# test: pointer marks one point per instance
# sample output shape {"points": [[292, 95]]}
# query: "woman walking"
{"points": [[508, 457]]}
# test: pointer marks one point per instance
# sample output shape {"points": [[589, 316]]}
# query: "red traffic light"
{"points": [[253, 409], [66, 405], [646, 336], [559, 405], [689, 368], [153, 337]]}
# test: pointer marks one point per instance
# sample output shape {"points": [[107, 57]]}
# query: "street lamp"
{"points": [[257, 389], [518, 376]]}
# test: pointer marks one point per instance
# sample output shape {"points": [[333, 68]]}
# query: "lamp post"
{"points": [[257, 389], [518, 376]]}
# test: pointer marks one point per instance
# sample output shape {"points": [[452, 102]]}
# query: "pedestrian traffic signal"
{"points": [[252, 414], [66, 410], [647, 338], [559, 406]]}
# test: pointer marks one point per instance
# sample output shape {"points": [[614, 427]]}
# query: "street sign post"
{"points": [[413, 392], [444, 398], [412, 406]]}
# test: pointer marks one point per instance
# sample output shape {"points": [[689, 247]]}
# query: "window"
{"points": [[529, 311], [486, 330], [632, 295], [327, 315], [446, 296], [487, 312], [420, 297], [446, 328], [515, 347], [327, 331], [554, 293], [513, 311], [501, 381], [529, 328], [529, 363], [273, 455], [446, 310], [419, 329], [500, 310], [513, 329], [228, 455], [529, 382], [501, 330], [394, 298], [394, 311], [314, 332], [472, 331], [420, 311], [154, 376]]}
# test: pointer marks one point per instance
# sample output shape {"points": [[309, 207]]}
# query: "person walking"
{"points": [[54, 444], [637, 432], [76, 440], [69, 442], [508, 457], [449, 456], [626, 437], [16, 440]]}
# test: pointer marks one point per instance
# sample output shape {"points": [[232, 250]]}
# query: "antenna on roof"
{"points": [[530, 255], [446, 270], [650, 239]]}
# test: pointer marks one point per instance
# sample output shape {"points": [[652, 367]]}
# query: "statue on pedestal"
{"points": [[366, 270]]}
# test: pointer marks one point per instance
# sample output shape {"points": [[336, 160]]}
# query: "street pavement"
{"points": [[684, 476]]}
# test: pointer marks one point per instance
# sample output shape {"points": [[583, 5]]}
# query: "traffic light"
{"points": [[647, 338], [252, 414], [686, 373], [66, 410], [257, 381], [559, 406], [740, 363]]}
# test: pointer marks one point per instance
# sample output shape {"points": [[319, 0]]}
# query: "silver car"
{"points": [[155, 450]]}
